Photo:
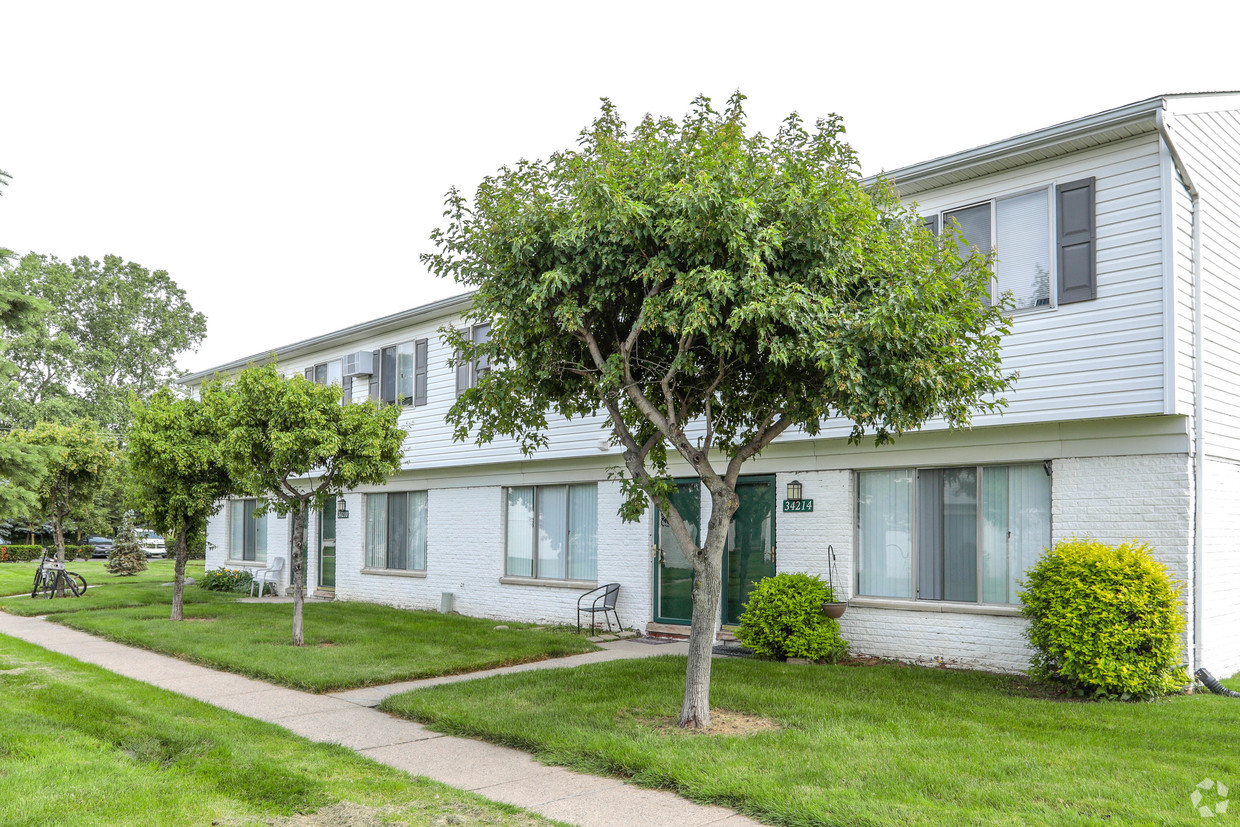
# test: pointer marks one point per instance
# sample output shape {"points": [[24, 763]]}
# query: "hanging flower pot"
{"points": [[833, 609]]}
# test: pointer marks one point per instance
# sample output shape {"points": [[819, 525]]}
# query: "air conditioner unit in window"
{"points": [[360, 363]]}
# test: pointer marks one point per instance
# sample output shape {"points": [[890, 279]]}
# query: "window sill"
{"points": [[245, 564], [547, 583], [997, 609], [395, 572]]}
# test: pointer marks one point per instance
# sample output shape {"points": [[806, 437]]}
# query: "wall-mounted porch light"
{"points": [[794, 490], [342, 508]]}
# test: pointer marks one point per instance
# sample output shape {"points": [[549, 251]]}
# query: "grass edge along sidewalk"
{"points": [[348, 644], [885, 744], [121, 752]]}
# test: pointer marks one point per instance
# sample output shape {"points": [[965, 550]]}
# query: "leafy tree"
{"points": [[709, 290], [113, 330], [291, 443], [127, 555], [177, 475], [78, 460]]}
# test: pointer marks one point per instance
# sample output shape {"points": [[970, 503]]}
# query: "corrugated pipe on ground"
{"points": [[1213, 685]]}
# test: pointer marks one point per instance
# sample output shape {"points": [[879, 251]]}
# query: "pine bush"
{"points": [[127, 555]]}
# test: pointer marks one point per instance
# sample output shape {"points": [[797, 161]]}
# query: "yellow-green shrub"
{"points": [[1105, 620], [783, 619]]}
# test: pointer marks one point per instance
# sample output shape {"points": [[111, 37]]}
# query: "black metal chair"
{"points": [[602, 600]]}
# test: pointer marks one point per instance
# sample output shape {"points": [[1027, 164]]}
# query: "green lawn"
{"points": [[82, 746], [16, 578], [875, 745], [347, 644]]}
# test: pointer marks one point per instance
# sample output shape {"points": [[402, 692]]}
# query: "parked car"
{"points": [[102, 545], [152, 543]]}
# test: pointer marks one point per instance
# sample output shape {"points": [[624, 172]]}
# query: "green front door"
{"points": [[673, 601], [750, 554], [327, 548], [748, 557]]}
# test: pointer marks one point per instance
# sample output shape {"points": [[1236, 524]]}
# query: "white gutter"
{"points": [[1164, 129]]}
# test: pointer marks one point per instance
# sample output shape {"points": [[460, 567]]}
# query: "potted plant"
{"points": [[831, 607]]}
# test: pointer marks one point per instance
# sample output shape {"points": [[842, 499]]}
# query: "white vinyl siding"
{"points": [[1209, 142]]}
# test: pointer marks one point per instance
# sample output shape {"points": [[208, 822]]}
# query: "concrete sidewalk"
{"points": [[347, 718]]}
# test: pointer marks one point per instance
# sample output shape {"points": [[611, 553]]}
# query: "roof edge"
{"points": [[1022, 143], [414, 314]]}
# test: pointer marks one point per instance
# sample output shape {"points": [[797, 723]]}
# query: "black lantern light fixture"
{"points": [[342, 508], [794, 490]]}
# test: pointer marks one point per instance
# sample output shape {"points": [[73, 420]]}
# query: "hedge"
{"points": [[20, 554]]}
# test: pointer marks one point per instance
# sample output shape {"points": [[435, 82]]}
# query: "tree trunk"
{"points": [[178, 583], [707, 587], [58, 533], [298, 574]]}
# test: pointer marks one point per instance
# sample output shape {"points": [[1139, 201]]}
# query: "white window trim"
{"points": [[535, 579], [883, 601], [367, 569], [1052, 272]]}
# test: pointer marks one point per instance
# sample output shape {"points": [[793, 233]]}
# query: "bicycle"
{"points": [[51, 578]]}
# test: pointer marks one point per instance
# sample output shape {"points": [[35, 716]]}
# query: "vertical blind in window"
{"points": [[976, 528], [885, 533], [247, 534], [1022, 246], [396, 531], [552, 531]]}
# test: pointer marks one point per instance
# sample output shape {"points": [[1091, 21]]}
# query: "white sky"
{"points": [[286, 162]]}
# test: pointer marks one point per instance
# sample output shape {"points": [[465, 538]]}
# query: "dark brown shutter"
{"points": [[1076, 233], [419, 372], [346, 390], [931, 223]]}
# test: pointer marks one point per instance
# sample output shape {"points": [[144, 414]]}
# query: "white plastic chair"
{"points": [[270, 574]]}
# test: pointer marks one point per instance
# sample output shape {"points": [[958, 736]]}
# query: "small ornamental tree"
{"points": [[290, 442], [78, 459], [708, 290], [177, 475], [127, 555]]}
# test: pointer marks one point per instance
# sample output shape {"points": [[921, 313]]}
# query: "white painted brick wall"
{"points": [[1116, 499], [465, 556], [949, 638], [1221, 569], [802, 539], [1109, 498]]}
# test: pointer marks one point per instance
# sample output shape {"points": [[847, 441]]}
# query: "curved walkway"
{"points": [[347, 718]]}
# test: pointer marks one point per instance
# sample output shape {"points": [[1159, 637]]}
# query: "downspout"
{"points": [[1164, 129]]}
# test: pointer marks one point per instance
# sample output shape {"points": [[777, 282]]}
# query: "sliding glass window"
{"points": [[552, 531], [964, 534], [396, 531]]}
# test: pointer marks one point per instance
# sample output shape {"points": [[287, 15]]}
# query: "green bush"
{"points": [[20, 554], [1105, 620], [784, 619], [79, 552], [226, 580]]}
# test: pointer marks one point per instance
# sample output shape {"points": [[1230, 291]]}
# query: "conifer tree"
{"points": [[127, 555]]}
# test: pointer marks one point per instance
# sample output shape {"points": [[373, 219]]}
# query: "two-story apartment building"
{"points": [[1118, 235]]}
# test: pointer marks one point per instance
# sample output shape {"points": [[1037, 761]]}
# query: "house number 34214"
{"points": [[798, 506]]}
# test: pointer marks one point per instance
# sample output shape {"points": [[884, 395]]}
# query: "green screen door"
{"points": [[750, 554], [674, 573], [327, 548]]}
